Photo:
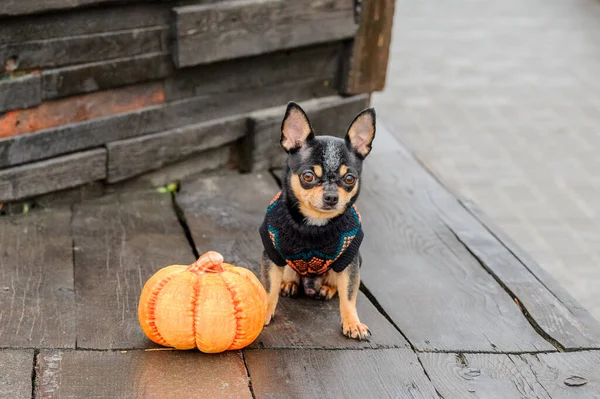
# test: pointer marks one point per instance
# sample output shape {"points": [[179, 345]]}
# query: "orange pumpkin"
{"points": [[209, 304]]}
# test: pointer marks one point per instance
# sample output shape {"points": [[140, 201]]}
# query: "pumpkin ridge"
{"points": [[236, 303], [196, 297], [152, 301]]}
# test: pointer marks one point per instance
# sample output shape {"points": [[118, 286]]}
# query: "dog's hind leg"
{"points": [[271, 275]]}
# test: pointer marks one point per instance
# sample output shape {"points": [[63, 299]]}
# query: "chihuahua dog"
{"points": [[312, 229]]}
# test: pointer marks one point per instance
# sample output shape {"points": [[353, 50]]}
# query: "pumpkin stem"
{"points": [[210, 262]]}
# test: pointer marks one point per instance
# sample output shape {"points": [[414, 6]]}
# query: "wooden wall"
{"points": [[107, 90]]}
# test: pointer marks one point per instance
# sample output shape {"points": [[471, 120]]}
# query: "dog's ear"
{"points": [[295, 128], [362, 132]]}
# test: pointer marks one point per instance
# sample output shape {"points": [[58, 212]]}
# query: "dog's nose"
{"points": [[330, 198]]}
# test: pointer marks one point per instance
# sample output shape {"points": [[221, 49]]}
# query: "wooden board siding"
{"points": [[20, 92], [232, 29], [52, 175], [84, 48]]}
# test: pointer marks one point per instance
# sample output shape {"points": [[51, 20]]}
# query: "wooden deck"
{"points": [[456, 309]]}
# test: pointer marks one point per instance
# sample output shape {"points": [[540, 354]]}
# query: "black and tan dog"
{"points": [[312, 230]]}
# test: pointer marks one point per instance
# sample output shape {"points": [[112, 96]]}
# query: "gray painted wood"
{"points": [[22, 92], [213, 32], [391, 373], [37, 306], [15, 379], [570, 325], [85, 48], [104, 75], [92, 133], [489, 376], [19, 7], [328, 115], [437, 294], [128, 158], [567, 375], [223, 213], [52, 175], [82, 21], [120, 241], [500, 376], [141, 374], [317, 62]]}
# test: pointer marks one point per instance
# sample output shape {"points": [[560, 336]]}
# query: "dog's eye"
{"points": [[308, 177], [349, 179]]}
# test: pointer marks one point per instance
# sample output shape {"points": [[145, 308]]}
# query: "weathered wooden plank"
{"points": [[449, 302], [567, 375], [311, 63], [36, 281], [328, 115], [223, 214], [18, 7], [104, 75], [369, 53], [120, 241], [213, 32], [21, 92], [82, 21], [141, 374], [545, 376], [210, 161], [391, 373], [85, 48], [493, 376], [152, 119], [80, 108], [564, 323], [52, 175], [15, 379], [128, 158], [578, 315]]}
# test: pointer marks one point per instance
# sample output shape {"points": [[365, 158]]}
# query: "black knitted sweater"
{"points": [[310, 250]]}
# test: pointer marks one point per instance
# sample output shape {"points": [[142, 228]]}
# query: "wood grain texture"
{"points": [[151, 119], [391, 373], [23, 92], [308, 63], [567, 375], [369, 53], [438, 294], [52, 175], [15, 379], [489, 376], [223, 214], [85, 48], [580, 318], [328, 115], [104, 75], [308, 323], [141, 374], [120, 241], [19, 7], [82, 21], [499, 376], [37, 307], [128, 158], [213, 32], [571, 326]]}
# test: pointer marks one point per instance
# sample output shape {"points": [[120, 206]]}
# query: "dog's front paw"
{"points": [[289, 289], [326, 292], [356, 330]]}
